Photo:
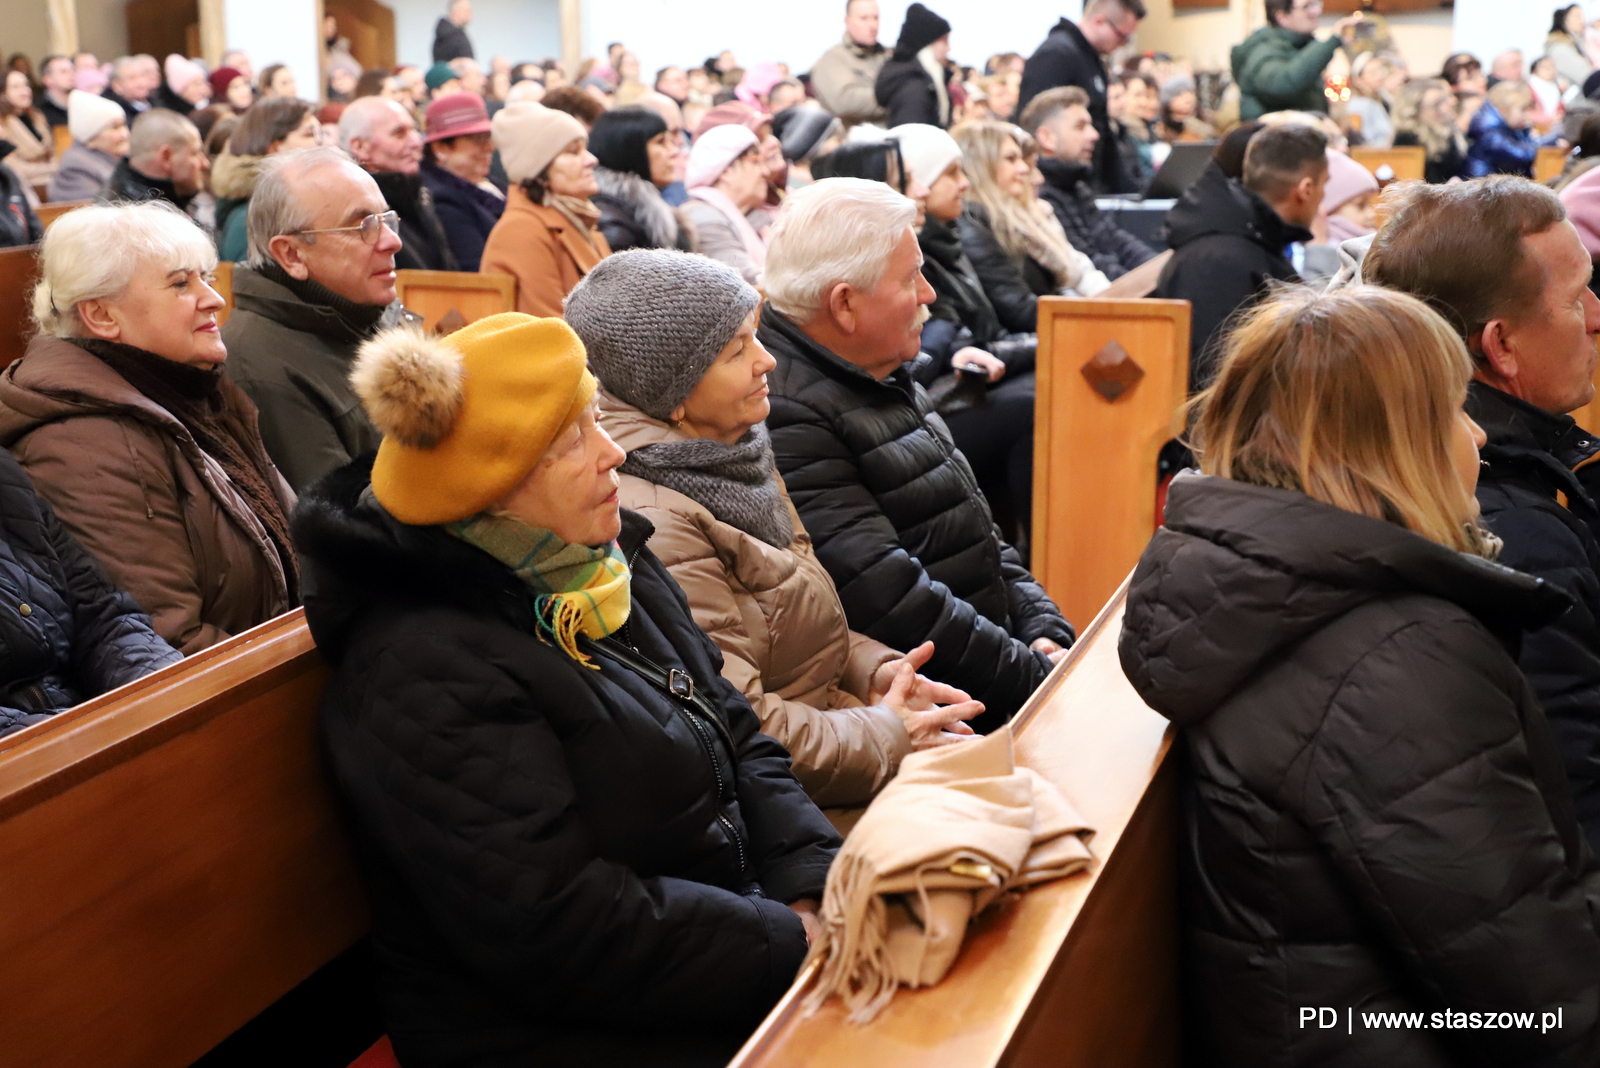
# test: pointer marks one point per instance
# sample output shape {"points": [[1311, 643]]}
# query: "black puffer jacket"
{"points": [[961, 314], [66, 633], [899, 522], [905, 89], [1013, 284], [1228, 246], [1374, 817], [565, 867], [1529, 459], [1090, 230]]}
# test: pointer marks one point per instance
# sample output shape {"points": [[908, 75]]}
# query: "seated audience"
{"points": [[1133, 150], [1371, 808], [133, 80], [1501, 138], [1058, 119], [29, 132], [320, 281], [123, 418], [456, 158], [233, 88], [688, 406], [773, 164], [805, 132], [19, 223], [1013, 238], [1504, 265], [57, 78], [547, 237], [442, 80], [277, 124], [656, 865], [878, 483], [1349, 199], [638, 159], [166, 161], [1567, 45], [1367, 112], [844, 79], [726, 181], [383, 138], [1231, 238], [186, 89], [75, 635], [278, 80], [575, 102], [1180, 113], [1425, 114], [99, 139], [913, 85]]}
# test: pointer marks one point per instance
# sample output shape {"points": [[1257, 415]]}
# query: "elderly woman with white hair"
{"points": [[727, 180], [889, 501], [120, 413]]}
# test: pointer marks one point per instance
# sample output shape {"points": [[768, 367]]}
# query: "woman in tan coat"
{"points": [[121, 415], [548, 237], [671, 336], [26, 127]]}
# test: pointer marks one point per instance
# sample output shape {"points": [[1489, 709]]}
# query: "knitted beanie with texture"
{"points": [[654, 320]]}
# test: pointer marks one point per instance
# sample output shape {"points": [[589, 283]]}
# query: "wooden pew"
{"points": [[170, 859], [1549, 163], [1112, 380], [19, 270], [63, 139], [434, 295], [52, 210], [1077, 973], [1408, 162], [223, 284]]}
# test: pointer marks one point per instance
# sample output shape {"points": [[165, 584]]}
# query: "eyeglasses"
{"points": [[369, 227]]}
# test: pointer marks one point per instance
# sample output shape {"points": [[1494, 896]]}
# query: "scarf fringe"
{"points": [[854, 944], [559, 616]]}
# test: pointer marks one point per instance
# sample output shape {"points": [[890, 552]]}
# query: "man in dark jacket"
{"points": [[383, 138], [890, 503], [1059, 120], [1279, 67], [450, 40], [1231, 239], [1071, 55], [305, 303], [1498, 257], [57, 78], [165, 161], [913, 85], [133, 80]]}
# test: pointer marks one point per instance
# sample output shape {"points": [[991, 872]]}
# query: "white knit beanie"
{"points": [[88, 114], [714, 150], [927, 150], [529, 136]]}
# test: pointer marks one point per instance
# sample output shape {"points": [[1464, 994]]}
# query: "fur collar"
{"points": [[644, 200]]}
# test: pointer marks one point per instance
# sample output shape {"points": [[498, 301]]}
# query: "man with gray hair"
{"points": [[319, 282], [133, 79], [165, 161], [382, 137], [889, 501]]}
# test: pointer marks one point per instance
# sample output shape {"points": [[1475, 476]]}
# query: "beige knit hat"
{"points": [[529, 136], [88, 114]]}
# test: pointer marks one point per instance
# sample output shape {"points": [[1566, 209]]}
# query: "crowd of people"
{"points": [[638, 594]]}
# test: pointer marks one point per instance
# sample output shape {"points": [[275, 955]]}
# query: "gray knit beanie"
{"points": [[653, 320]]}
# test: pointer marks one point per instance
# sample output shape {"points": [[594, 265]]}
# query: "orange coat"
{"points": [[536, 245]]}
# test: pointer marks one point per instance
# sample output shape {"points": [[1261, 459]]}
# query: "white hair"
{"points": [[832, 231], [359, 118], [275, 205], [528, 91], [94, 253]]}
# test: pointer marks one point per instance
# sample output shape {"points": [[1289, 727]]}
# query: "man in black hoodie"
{"points": [[914, 86], [1071, 55], [383, 138], [450, 40], [1231, 239]]}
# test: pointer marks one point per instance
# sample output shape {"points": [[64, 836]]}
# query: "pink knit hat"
{"points": [[733, 113], [1347, 180], [757, 82], [181, 73], [714, 150]]}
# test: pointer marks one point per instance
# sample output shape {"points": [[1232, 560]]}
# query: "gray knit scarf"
{"points": [[737, 483]]}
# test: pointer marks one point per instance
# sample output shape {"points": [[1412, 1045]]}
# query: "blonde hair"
{"points": [[1510, 94], [1350, 397], [93, 253], [1434, 137], [1014, 220]]}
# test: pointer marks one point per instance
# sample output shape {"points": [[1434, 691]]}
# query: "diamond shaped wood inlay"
{"points": [[1112, 372], [450, 322]]}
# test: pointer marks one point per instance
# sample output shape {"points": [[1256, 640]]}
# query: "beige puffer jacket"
{"points": [[776, 617]]}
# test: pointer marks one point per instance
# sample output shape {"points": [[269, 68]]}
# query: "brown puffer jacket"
{"points": [[777, 619], [131, 484]]}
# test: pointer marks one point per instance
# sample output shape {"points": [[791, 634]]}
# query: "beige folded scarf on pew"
{"points": [[959, 826]]}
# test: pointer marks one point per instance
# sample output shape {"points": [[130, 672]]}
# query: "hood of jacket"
{"points": [[58, 380], [643, 201], [1240, 573], [234, 177], [1215, 204]]}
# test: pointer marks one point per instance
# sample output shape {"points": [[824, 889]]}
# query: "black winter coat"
{"points": [[19, 223], [898, 521], [961, 314], [450, 42], [1089, 230], [1373, 817], [907, 91], [1529, 459], [465, 212], [1013, 284], [425, 246], [127, 185], [1228, 246], [1067, 58], [66, 633], [565, 866]]}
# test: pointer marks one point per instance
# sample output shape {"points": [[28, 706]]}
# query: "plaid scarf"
{"points": [[576, 589]]}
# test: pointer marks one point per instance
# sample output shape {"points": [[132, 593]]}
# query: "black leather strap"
{"points": [[675, 683]]}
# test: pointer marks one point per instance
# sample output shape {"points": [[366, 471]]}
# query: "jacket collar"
{"points": [[130, 180], [864, 51], [1063, 175], [1069, 29], [326, 315], [1216, 204], [797, 343], [1531, 440], [582, 251]]}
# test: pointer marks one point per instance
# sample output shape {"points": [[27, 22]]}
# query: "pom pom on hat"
{"points": [[410, 384]]}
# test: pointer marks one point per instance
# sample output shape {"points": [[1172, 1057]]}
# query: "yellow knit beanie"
{"points": [[466, 417]]}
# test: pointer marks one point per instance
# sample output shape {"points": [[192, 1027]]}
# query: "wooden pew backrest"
{"points": [[1077, 973], [171, 859], [63, 139], [52, 210], [1408, 162], [224, 287], [1112, 380], [435, 294], [19, 270], [1549, 163]]}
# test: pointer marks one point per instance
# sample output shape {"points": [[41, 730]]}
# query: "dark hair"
{"points": [[1279, 156], [1559, 23], [1459, 247], [876, 161], [1457, 65], [1044, 107], [1276, 8], [1133, 7], [620, 137], [527, 72], [1230, 153], [575, 102], [1589, 137], [371, 83], [221, 130], [206, 119], [44, 64], [267, 121], [267, 76]]}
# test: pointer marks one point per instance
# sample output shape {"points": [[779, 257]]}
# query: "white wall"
{"points": [[280, 31], [1488, 27], [521, 30]]}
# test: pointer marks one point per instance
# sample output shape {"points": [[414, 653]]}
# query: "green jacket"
{"points": [[1279, 70]]}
